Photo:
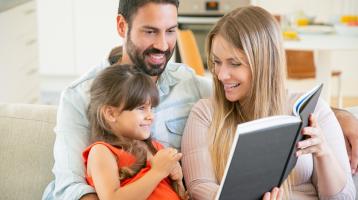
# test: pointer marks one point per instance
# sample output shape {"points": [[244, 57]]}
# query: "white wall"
{"points": [[75, 35]]}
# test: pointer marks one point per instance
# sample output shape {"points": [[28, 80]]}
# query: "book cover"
{"points": [[263, 151]]}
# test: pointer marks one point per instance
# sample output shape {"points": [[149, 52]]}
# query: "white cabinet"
{"points": [[19, 77], [75, 35]]}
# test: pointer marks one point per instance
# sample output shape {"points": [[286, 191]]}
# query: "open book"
{"points": [[263, 151]]}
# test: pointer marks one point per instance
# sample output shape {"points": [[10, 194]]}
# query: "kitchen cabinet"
{"points": [[19, 77], [75, 35]]}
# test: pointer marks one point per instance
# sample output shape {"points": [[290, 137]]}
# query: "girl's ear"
{"points": [[121, 26], [110, 113]]}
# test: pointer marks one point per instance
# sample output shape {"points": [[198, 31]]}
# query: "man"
{"points": [[349, 124], [148, 29]]}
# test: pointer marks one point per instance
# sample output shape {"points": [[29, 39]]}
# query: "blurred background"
{"points": [[47, 44]]}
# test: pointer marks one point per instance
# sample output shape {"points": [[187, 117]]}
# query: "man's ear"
{"points": [[121, 26], [110, 113]]}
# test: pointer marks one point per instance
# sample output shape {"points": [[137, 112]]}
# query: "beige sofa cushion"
{"points": [[26, 150]]}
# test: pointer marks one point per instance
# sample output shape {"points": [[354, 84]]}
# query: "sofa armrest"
{"points": [[26, 149]]}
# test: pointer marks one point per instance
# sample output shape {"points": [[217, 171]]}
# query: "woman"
{"points": [[246, 57]]}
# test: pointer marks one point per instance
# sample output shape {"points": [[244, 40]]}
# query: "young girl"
{"points": [[123, 162], [247, 60]]}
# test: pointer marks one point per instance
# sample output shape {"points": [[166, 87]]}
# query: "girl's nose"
{"points": [[149, 116]]}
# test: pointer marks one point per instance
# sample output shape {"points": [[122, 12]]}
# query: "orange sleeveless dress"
{"points": [[163, 190]]}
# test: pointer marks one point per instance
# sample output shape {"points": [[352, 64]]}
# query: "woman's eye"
{"points": [[216, 62], [236, 64]]}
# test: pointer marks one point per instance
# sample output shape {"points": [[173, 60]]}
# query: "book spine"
{"points": [[292, 158]]}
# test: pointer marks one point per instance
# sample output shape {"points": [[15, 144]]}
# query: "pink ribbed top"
{"points": [[198, 169]]}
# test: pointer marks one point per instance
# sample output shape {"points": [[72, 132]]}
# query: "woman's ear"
{"points": [[121, 26], [110, 113]]}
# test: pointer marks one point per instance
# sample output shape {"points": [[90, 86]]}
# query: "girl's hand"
{"points": [[183, 194], [176, 174], [315, 143], [275, 194], [165, 160]]}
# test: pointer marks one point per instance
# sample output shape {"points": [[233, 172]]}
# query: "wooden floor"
{"points": [[347, 101]]}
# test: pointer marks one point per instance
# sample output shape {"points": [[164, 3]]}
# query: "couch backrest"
{"points": [[26, 150]]}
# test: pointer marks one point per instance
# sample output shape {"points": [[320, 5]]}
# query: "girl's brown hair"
{"points": [[125, 87]]}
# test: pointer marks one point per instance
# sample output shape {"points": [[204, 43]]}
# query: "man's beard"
{"points": [[138, 58]]}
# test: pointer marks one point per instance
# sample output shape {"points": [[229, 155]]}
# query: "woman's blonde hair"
{"points": [[254, 31]]}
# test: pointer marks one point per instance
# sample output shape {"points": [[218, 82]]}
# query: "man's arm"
{"points": [[72, 137], [90, 196], [349, 125]]}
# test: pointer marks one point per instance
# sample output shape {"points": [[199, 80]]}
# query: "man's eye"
{"points": [[149, 32]]}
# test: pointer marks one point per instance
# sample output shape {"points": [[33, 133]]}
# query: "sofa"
{"points": [[26, 150]]}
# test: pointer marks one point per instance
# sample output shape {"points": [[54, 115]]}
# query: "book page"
{"points": [[301, 101], [266, 123]]}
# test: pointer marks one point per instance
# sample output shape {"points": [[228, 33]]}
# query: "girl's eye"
{"points": [[141, 107]]}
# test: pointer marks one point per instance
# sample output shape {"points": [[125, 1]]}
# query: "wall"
{"points": [[75, 35]]}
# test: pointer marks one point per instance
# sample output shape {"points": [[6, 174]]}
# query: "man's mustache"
{"points": [[156, 51]]}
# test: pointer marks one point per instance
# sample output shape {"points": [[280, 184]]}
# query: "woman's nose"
{"points": [[223, 73]]}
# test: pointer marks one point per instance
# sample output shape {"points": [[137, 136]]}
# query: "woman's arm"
{"points": [[102, 167], [196, 162], [331, 174]]}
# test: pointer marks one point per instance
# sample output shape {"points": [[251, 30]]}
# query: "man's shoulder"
{"points": [[78, 90], [184, 73], [180, 70], [89, 75], [181, 76]]}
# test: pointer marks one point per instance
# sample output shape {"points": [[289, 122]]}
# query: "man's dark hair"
{"points": [[128, 8]]}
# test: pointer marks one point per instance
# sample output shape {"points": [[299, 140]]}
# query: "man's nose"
{"points": [[161, 42]]}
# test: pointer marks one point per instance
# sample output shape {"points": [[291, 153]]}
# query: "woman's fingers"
{"points": [[309, 142], [280, 194], [315, 142], [312, 120], [309, 150], [310, 131], [267, 196], [275, 194]]}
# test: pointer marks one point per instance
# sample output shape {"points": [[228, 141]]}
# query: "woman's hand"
{"points": [[275, 194], [315, 143], [165, 160]]}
